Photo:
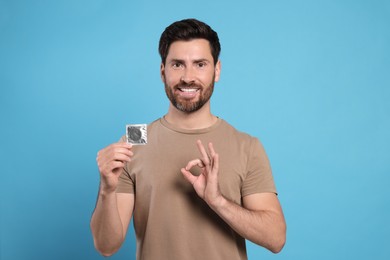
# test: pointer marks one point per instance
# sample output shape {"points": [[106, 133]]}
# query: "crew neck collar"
{"points": [[168, 125]]}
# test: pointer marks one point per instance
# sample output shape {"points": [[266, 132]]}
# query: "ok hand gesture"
{"points": [[206, 184]]}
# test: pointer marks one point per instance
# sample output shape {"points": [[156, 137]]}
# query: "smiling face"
{"points": [[189, 74]]}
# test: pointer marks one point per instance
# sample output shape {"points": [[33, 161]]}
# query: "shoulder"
{"points": [[236, 134]]}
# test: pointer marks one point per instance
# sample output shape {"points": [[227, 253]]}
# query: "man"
{"points": [[199, 187]]}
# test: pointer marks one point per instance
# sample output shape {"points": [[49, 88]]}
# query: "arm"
{"points": [[113, 210], [259, 220]]}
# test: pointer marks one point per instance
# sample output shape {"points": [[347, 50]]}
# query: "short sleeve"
{"points": [[125, 184], [259, 177]]}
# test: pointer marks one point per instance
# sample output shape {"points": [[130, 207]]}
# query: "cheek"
{"points": [[171, 78], [207, 78]]}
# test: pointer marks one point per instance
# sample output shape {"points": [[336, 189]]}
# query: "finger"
{"points": [[214, 160], [104, 158], [125, 151], [212, 153], [195, 162], [111, 167], [118, 146], [211, 149], [202, 150], [124, 147], [111, 151], [123, 144], [121, 157], [215, 163], [116, 164], [188, 176]]}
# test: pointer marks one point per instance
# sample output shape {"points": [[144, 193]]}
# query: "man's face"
{"points": [[189, 74]]}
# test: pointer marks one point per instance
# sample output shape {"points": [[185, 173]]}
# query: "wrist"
{"points": [[106, 191], [108, 185], [218, 203]]}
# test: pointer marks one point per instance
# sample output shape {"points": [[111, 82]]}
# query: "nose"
{"points": [[188, 76]]}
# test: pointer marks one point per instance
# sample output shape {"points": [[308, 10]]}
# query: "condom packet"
{"points": [[136, 134]]}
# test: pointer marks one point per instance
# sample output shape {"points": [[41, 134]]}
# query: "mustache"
{"points": [[187, 85]]}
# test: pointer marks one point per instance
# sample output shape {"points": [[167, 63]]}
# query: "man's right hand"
{"points": [[111, 161], [113, 211]]}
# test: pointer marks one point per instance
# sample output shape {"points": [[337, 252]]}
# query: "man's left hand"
{"points": [[206, 184]]}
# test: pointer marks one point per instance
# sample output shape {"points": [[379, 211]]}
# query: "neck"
{"points": [[194, 120]]}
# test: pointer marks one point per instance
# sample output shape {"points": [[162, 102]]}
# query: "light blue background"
{"points": [[309, 78]]}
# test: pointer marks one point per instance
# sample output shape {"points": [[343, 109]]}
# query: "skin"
{"points": [[260, 218], [187, 63]]}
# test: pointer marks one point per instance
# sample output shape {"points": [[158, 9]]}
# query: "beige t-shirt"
{"points": [[170, 220]]}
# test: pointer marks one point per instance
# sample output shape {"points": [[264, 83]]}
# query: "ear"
{"points": [[217, 70], [162, 72]]}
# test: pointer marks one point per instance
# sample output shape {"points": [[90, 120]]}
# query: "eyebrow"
{"points": [[176, 61], [195, 61], [202, 60]]}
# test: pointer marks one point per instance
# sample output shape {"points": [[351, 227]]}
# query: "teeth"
{"points": [[188, 89]]}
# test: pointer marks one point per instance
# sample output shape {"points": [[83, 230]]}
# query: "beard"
{"points": [[185, 105]]}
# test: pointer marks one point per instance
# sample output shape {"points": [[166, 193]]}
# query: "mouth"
{"points": [[188, 92]]}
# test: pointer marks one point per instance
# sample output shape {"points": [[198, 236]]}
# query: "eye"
{"points": [[177, 65], [201, 64]]}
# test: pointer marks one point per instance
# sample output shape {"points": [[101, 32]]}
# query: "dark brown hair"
{"points": [[186, 30]]}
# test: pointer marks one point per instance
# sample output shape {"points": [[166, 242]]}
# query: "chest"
{"points": [[156, 167]]}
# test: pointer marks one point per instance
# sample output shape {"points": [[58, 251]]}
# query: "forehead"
{"points": [[192, 49]]}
